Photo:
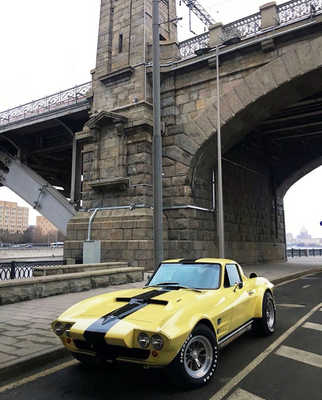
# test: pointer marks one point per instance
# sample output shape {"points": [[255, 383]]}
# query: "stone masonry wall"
{"points": [[117, 142]]}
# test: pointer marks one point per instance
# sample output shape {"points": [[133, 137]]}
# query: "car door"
{"points": [[224, 307], [240, 297]]}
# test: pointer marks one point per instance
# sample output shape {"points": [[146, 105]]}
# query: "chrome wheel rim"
{"points": [[198, 356], [270, 314]]}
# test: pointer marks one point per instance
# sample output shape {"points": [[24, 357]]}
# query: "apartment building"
{"points": [[13, 218], [45, 226]]}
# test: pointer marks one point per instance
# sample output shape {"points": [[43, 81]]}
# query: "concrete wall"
{"points": [[30, 253]]}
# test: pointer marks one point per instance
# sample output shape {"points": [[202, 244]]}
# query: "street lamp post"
{"points": [[220, 206], [156, 142]]}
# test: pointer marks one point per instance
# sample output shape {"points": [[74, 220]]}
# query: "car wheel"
{"points": [[196, 362], [88, 361], [266, 325]]}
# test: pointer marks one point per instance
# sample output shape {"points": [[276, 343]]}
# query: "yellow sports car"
{"points": [[187, 311]]}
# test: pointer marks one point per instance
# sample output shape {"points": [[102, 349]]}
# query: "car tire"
{"points": [[197, 360], [266, 325], [89, 361]]}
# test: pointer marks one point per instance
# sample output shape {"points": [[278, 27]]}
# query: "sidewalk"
{"points": [[26, 338]]}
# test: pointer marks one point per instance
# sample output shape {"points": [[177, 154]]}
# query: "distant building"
{"points": [[12, 217], [44, 226], [289, 238], [304, 234], [303, 239]]}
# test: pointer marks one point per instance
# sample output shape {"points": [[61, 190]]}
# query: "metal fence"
{"points": [[250, 26], [66, 98], [304, 252], [22, 269]]}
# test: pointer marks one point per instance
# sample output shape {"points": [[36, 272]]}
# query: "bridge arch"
{"points": [[253, 188], [297, 175], [294, 75]]}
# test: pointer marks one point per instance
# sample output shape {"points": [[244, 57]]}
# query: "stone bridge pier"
{"points": [[269, 84]]}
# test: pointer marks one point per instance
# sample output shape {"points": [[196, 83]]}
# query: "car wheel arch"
{"points": [[259, 307], [202, 321], [207, 323]]}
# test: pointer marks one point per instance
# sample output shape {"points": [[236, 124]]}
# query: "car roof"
{"points": [[201, 260]]}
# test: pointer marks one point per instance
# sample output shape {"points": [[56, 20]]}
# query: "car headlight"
{"points": [[67, 329], [157, 342], [62, 327], [59, 328], [143, 340]]}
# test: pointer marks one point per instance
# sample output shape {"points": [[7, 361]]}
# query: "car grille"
{"points": [[111, 352]]}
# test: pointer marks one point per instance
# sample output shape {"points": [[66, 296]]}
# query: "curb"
{"points": [[14, 368], [287, 278]]}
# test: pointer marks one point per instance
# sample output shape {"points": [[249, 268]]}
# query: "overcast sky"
{"points": [[48, 46]]}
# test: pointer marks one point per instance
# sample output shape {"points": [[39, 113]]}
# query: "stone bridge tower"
{"points": [[116, 142]]}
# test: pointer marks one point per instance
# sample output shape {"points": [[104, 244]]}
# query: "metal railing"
{"points": [[188, 47], [251, 25], [66, 98], [244, 28], [297, 9], [304, 252], [22, 269]]}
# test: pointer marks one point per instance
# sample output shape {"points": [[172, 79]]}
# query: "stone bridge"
{"points": [[271, 95]]}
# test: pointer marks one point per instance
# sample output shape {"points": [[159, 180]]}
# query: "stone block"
{"points": [[216, 34], [255, 86], [177, 154], [269, 15], [279, 71], [244, 93], [207, 122], [169, 51], [292, 63], [306, 56]]}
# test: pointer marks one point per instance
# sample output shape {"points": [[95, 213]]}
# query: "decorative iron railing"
{"points": [[298, 9], [22, 269], [244, 27], [66, 98], [190, 46], [250, 26]]}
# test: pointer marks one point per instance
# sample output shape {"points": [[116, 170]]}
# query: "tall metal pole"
{"points": [[157, 143], [220, 207]]}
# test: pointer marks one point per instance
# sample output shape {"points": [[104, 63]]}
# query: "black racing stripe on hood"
{"points": [[95, 333]]}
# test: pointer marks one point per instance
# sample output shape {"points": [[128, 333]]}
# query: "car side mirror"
{"points": [[238, 285], [253, 275]]}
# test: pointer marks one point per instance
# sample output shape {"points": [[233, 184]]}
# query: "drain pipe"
{"points": [[90, 222]]}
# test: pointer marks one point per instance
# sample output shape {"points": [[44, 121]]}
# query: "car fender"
{"points": [[184, 335], [263, 285]]}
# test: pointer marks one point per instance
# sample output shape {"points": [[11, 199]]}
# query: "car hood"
{"points": [[148, 307]]}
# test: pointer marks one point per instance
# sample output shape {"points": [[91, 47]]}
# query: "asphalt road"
{"points": [[287, 365]]}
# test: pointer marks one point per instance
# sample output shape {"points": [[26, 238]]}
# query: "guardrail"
{"points": [[245, 28], [287, 13], [297, 9], [304, 252], [22, 269], [66, 98]]}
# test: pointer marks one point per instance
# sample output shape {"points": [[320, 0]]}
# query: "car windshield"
{"points": [[194, 275]]}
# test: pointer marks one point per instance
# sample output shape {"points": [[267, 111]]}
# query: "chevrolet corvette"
{"points": [[182, 317]]}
